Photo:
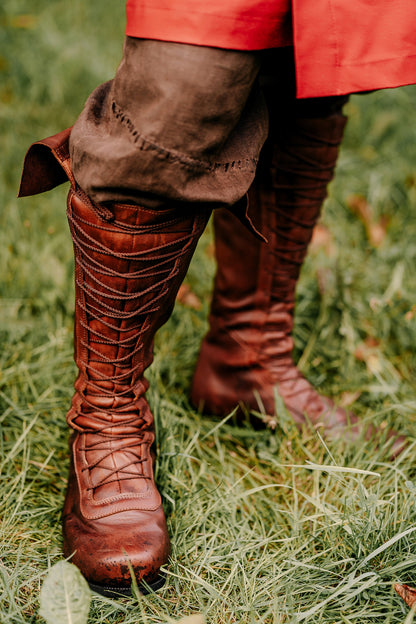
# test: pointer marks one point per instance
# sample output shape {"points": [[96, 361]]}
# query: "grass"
{"points": [[266, 527]]}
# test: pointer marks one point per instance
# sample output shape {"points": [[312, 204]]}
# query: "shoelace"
{"points": [[294, 218], [115, 323], [107, 445], [311, 176]]}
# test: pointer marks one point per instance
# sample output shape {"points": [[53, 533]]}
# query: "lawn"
{"points": [[267, 526]]}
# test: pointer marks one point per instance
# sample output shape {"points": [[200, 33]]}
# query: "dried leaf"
{"points": [[410, 314], [188, 298], [368, 352], [23, 21], [371, 342], [407, 593], [376, 229], [323, 239], [210, 250], [65, 596], [349, 398], [359, 205]]}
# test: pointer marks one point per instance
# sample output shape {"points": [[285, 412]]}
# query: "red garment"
{"points": [[341, 46]]}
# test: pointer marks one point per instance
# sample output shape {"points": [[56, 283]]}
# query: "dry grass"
{"points": [[266, 527]]}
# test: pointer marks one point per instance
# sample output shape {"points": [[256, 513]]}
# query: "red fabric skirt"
{"points": [[341, 46]]}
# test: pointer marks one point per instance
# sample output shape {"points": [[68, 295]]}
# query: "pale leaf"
{"points": [[65, 596]]}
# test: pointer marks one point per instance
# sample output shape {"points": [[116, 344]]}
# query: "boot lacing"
{"points": [[116, 325], [295, 214]]}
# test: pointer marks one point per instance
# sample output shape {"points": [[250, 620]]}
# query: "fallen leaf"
{"points": [[410, 314], [322, 239], [349, 398], [407, 593], [368, 352], [375, 229], [188, 298], [65, 596], [210, 250], [23, 21], [359, 205], [371, 342]]}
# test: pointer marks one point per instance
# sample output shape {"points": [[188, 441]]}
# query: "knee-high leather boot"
{"points": [[129, 264], [247, 353]]}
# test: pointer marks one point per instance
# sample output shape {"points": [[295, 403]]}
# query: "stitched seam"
{"points": [[335, 46], [375, 61], [142, 142]]}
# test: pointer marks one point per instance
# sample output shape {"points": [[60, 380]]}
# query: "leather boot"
{"points": [[129, 264], [247, 354]]}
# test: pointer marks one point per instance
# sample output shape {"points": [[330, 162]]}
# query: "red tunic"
{"points": [[341, 46]]}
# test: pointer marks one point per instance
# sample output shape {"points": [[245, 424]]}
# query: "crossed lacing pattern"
{"points": [[129, 443], [312, 175], [123, 423]]}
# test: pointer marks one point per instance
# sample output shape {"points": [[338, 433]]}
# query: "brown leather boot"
{"points": [[247, 354], [129, 264]]}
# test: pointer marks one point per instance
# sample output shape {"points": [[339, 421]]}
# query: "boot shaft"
{"points": [[285, 202], [128, 267], [247, 353], [129, 264]]}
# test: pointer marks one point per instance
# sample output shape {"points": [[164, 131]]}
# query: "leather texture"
{"points": [[129, 264], [247, 353], [127, 275], [46, 165]]}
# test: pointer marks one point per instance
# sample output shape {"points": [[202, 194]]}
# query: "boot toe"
{"points": [[104, 550]]}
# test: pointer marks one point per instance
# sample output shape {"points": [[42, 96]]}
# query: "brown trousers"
{"points": [[184, 123]]}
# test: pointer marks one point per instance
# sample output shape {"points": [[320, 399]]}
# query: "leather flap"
{"points": [[241, 210], [46, 165]]}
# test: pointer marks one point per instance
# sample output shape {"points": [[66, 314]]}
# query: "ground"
{"points": [[267, 527]]}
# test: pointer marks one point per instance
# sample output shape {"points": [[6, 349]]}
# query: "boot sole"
{"points": [[112, 591]]}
